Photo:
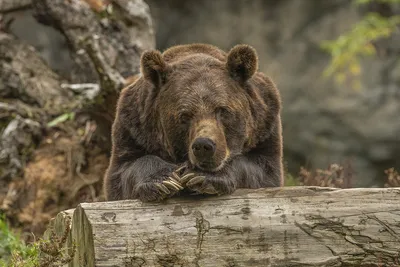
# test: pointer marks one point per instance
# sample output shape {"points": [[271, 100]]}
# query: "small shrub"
{"points": [[335, 176], [392, 178], [11, 245], [50, 253], [347, 50]]}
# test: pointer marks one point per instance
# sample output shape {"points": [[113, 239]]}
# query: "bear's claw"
{"points": [[172, 184], [199, 187], [180, 169], [186, 178], [162, 188], [195, 181], [209, 189], [168, 187], [178, 180], [175, 177], [198, 184]]}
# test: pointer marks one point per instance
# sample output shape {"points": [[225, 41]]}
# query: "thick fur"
{"points": [[181, 92]]}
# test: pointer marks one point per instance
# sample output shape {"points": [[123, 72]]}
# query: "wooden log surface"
{"points": [[290, 226]]}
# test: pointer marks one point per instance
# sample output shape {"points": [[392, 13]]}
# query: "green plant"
{"points": [[347, 51], [11, 245], [60, 119], [15, 253], [290, 180], [334, 176]]}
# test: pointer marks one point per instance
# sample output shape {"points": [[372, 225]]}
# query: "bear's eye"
{"points": [[184, 118], [224, 113]]}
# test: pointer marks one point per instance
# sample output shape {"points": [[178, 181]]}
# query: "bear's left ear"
{"points": [[153, 67], [242, 62]]}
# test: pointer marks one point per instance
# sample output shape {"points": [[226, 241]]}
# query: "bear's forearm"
{"points": [[122, 178], [258, 172]]}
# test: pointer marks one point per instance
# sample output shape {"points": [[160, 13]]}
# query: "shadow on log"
{"points": [[291, 226]]}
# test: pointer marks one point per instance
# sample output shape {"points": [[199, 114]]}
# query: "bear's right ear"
{"points": [[242, 62], [153, 67]]}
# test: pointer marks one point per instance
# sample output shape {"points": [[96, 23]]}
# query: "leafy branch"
{"points": [[347, 51]]}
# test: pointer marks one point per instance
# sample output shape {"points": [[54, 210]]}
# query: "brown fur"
{"points": [[193, 91]]}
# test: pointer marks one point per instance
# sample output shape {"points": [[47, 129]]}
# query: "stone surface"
{"points": [[44, 51]]}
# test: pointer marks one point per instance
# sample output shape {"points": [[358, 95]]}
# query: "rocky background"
{"points": [[62, 64], [323, 123]]}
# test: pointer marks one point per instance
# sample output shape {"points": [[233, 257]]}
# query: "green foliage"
{"points": [[62, 118], [51, 253], [347, 51], [361, 2], [290, 180], [13, 248]]}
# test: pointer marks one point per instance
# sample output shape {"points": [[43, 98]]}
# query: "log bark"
{"points": [[291, 226]]}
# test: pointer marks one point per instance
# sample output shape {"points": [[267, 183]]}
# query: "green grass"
{"points": [[13, 251], [51, 252]]}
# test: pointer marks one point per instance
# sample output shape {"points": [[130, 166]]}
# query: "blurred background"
{"points": [[62, 64]]}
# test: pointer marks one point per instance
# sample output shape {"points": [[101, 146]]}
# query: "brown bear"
{"points": [[197, 120]]}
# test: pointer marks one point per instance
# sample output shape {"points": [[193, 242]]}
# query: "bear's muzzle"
{"points": [[208, 148]]}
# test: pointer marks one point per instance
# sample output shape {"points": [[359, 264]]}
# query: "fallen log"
{"points": [[291, 226]]}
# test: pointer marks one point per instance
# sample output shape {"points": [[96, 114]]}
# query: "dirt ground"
{"points": [[66, 169]]}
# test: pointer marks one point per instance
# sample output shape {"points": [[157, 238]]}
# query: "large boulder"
{"points": [[62, 65], [323, 122]]}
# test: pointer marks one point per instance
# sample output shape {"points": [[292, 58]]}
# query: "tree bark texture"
{"points": [[290, 226]]}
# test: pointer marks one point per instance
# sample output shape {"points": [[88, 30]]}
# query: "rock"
{"points": [[59, 58], [26, 77], [123, 33], [323, 122], [16, 141], [9, 5]]}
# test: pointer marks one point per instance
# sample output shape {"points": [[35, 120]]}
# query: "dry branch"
{"points": [[292, 226]]}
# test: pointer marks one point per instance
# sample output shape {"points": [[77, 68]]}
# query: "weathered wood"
{"points": [[292, 226]]}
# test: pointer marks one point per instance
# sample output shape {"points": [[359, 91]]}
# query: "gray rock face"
{"points": [[323, 122], [57, 57]]}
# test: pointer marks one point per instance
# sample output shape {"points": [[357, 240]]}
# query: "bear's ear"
{"points": [[242, 62], [153, 67]]}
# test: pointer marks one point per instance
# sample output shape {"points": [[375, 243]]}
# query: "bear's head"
{"points": [[205, 106]]}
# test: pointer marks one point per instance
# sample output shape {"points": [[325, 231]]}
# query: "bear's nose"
{"points": [[203, 148]]}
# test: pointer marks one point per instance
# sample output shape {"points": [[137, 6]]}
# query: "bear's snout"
{"points": [[203, 149], [208, 150]]}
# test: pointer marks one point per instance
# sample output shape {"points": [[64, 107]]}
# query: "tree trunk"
{"points": [[291, 226]]}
